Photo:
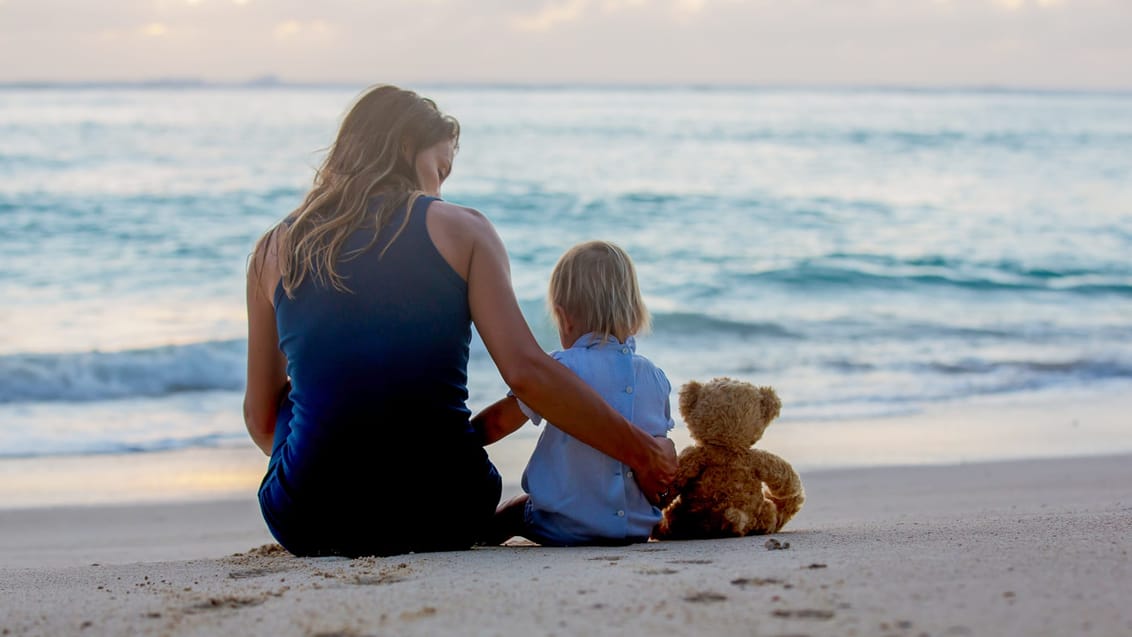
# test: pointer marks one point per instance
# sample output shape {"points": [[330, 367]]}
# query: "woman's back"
{"points": [[395, 344], [376, 372]]}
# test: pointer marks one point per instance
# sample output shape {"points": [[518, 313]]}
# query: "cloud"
{"points": [[1015, 5], [689, 6], [617, 5], [570, 11], [550, 16], [154, 30], [289, 29]]}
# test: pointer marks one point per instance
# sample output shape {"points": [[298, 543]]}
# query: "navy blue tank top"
{"points": [[378, 373]]}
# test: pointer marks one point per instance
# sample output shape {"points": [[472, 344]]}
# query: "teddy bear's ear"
{"points": [[689, 396], [772, 406]]}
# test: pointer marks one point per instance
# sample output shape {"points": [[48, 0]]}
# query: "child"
{"points": [[574, 493]]}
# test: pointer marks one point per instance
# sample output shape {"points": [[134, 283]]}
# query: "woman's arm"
{"points": [[543, 383], [499, 420], [267, 367]]}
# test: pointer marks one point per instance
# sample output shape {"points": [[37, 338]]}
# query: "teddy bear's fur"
{"points": [[723, 487]]}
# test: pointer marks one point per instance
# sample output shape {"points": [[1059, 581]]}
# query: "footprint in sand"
{"points": [[257, 572], [744, 582], [378, 580], [803, 613], [427, 611], [657, 571], [226, 602], [705, 597]]}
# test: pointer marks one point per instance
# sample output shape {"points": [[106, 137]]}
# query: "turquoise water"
{"points": [[868, 253]]}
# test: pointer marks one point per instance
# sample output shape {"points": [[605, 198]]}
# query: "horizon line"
{"points": [[271, 81]]}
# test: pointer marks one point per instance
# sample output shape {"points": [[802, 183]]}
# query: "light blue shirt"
{"points": [[578, 494]]}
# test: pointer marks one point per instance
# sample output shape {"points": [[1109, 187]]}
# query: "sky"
{"points": [[1056, 44]]}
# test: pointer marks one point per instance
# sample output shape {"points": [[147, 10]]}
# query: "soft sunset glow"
{"points": [[154, 30], [1023, 43]]}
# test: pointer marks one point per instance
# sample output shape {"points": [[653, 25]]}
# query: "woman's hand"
{"points": [[658, 471]]}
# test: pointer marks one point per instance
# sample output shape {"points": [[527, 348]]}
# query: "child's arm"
{"points": [[499, 420]]}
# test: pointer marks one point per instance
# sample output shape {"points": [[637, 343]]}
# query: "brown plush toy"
{"points": [[723, 487]]}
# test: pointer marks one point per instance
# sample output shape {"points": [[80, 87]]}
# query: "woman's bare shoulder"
{"points": [[266, 251], [460, 225], [463, 216], [263, 263], [459, 233]]}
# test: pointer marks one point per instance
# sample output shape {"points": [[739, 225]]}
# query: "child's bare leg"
{"points": [[508, 520]]}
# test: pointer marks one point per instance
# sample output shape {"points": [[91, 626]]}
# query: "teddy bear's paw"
{"points": [[787, 508], [739, 521]]}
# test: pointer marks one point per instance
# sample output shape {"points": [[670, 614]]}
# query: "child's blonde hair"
{"points": [[595, 284]]}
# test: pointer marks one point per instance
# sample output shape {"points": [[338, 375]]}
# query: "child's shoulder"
{"points": [[573, 357], [585, 357], [645, 366]]}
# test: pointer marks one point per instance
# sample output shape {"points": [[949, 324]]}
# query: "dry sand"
{"points": [[1010, 548]]}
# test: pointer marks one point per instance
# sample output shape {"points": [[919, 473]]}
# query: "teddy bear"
{"points": [[723, 487]]}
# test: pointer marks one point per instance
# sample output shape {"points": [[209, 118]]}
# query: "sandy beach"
{"points": [[1033, 547]]}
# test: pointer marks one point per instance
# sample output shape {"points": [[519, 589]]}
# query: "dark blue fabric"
{"points": [[373, 449]]}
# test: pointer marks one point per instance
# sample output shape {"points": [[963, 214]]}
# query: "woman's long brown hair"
{"points": [[375, 153]]}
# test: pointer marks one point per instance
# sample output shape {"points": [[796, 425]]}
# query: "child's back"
{"points": [[579, 495]]}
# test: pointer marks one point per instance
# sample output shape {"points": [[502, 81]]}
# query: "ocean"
{"points": [[871, 253]]}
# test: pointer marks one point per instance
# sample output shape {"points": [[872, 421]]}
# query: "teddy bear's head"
{"points": [[727, 412]]}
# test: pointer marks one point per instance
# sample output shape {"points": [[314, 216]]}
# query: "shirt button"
{"points": [[620, 514], [629, 473], [629, 389], [624, 350]]}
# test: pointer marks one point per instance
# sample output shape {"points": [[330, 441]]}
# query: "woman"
{"points": [[360, 305]]}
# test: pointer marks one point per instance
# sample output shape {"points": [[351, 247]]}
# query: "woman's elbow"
{"points": [[259, 422], [526, 373]]}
